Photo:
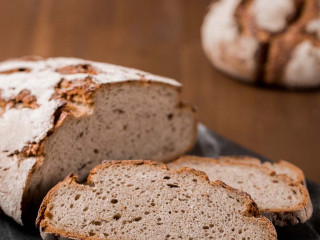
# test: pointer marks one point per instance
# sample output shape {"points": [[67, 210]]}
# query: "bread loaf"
{"points": [[280, 197], [59, 115], [144, 200], [266, 42]]}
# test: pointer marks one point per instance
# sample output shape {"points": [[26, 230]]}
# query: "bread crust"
{"points": [[282, 216], [49, 232]]}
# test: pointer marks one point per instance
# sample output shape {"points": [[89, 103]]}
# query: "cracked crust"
{"points": [[49, 232], [281, 216], [277, 31]]}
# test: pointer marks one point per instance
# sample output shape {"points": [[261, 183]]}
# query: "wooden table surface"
{"points": [[162, 36]]}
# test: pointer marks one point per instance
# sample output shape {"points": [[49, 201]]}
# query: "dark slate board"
{"points": [[211, 145]]}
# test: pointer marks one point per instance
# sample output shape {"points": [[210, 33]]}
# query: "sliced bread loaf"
{"points": [[282, 199], [144, 200], [60, 115]]}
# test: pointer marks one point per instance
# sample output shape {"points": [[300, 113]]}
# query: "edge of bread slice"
{"points": [[143, 199], [280, 197]]}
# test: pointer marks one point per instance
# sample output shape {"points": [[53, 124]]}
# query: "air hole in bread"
{"points": [[96, 223], [137, 219], [119, 111], [172, 185], [116, 216], [170, 116]]}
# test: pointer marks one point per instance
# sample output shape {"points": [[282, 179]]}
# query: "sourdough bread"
{"points": [[284, 200], [144, 200], [274, 42], [59, 115]]}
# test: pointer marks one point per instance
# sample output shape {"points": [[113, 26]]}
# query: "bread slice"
{"points": [[283, 200], [144, 200], [63, 114]]}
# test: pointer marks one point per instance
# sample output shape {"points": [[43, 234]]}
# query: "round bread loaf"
{"points": [[265, 42], [62, 115]]}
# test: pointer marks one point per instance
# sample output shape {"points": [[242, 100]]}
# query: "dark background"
{"points": [[162, 37]]}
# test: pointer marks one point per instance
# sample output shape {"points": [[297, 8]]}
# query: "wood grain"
{"points": [[162, 36]]}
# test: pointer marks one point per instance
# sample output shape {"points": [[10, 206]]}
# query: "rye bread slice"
{"points": [[144, 200], [62, 115], [281, 198]]}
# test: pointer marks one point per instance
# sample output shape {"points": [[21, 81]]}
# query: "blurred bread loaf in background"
{"points": [[265, 42]]}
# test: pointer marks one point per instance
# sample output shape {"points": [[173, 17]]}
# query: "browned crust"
{"points": [[78, 68], [49, 232], [283, 216], [23, 99]]}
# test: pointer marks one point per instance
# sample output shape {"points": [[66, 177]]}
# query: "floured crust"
{"points": [[282, 216], [281, 30], [49, 232], [38, 95]]}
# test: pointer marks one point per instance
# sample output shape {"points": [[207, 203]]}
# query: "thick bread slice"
{"points": [[63, 114], [144, 200], [283, 200]]}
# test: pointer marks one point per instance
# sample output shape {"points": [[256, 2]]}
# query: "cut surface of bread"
{"points": [[289, 169], [62, 115], [283, 200], [144, 200]]}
